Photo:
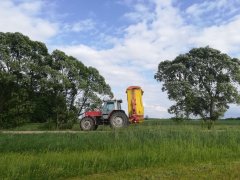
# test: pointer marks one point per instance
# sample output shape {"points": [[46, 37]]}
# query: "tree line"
{"points": [[202, 82], [36, 86]]}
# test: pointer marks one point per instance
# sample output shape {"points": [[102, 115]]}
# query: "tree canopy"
{"points": [[202, 82], [36, 86]]}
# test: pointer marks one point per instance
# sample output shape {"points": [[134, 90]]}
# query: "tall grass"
{"points": [[53, 156]]}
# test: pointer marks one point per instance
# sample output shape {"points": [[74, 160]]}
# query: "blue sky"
{"points": [[126, 39]]}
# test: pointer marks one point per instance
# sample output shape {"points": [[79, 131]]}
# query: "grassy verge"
{"points": [[228, 170], [161, 124], [157, 147]]}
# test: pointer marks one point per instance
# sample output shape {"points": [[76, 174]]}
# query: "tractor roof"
{"points": [[113, 100]]}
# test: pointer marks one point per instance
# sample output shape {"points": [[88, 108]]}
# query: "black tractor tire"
{"points": [[87, 124], [118, 120]]}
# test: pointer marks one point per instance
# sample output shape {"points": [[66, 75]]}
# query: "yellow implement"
{"points": [[135, 105]]}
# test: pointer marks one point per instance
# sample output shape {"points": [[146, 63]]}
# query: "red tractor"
{"points": [[110, 114]]}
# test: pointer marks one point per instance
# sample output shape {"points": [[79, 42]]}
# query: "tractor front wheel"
{"points": [[87, 124], [118, 120]]}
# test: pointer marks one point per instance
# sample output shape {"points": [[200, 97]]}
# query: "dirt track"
{"points": [[39, 132]]}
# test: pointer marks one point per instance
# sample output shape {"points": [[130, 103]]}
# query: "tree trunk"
{"points": [[72, 101], [57, 120], [211, 110], [187, 115], [80, 110]]}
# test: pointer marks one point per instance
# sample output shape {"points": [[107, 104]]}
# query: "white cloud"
{"points": [[84, 25], [133, 61], [154, 36], [128, 2], [31, 7], [159, 31], [224, 37], [215, 11], [23, 17], [206, 6], [155, 111], [140, 12]]}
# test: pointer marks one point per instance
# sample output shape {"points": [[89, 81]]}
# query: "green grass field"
{"points": [[156, 149]]}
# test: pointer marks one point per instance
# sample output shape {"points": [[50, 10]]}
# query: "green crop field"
{"points": [[156, 149]]}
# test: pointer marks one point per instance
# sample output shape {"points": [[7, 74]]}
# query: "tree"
{"points": [[21, 62], [94, 91], [82, 86], [202, 82], [38, 87]]}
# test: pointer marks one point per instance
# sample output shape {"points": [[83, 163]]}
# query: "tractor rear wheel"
{"points": [[118, 120], [87, 124]]}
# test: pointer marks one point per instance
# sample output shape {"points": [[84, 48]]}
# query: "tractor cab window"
{"points": [[108, 107]]}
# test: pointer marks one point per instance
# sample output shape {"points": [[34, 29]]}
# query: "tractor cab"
{"points": [[109, 106]]}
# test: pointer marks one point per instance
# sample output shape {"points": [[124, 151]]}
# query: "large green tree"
{"points": [[36, 86], [22, 64], [202, 82], [81, 86]]}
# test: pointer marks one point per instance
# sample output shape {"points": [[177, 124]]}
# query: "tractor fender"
{"points": [[93, 115], [93, 118]]}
